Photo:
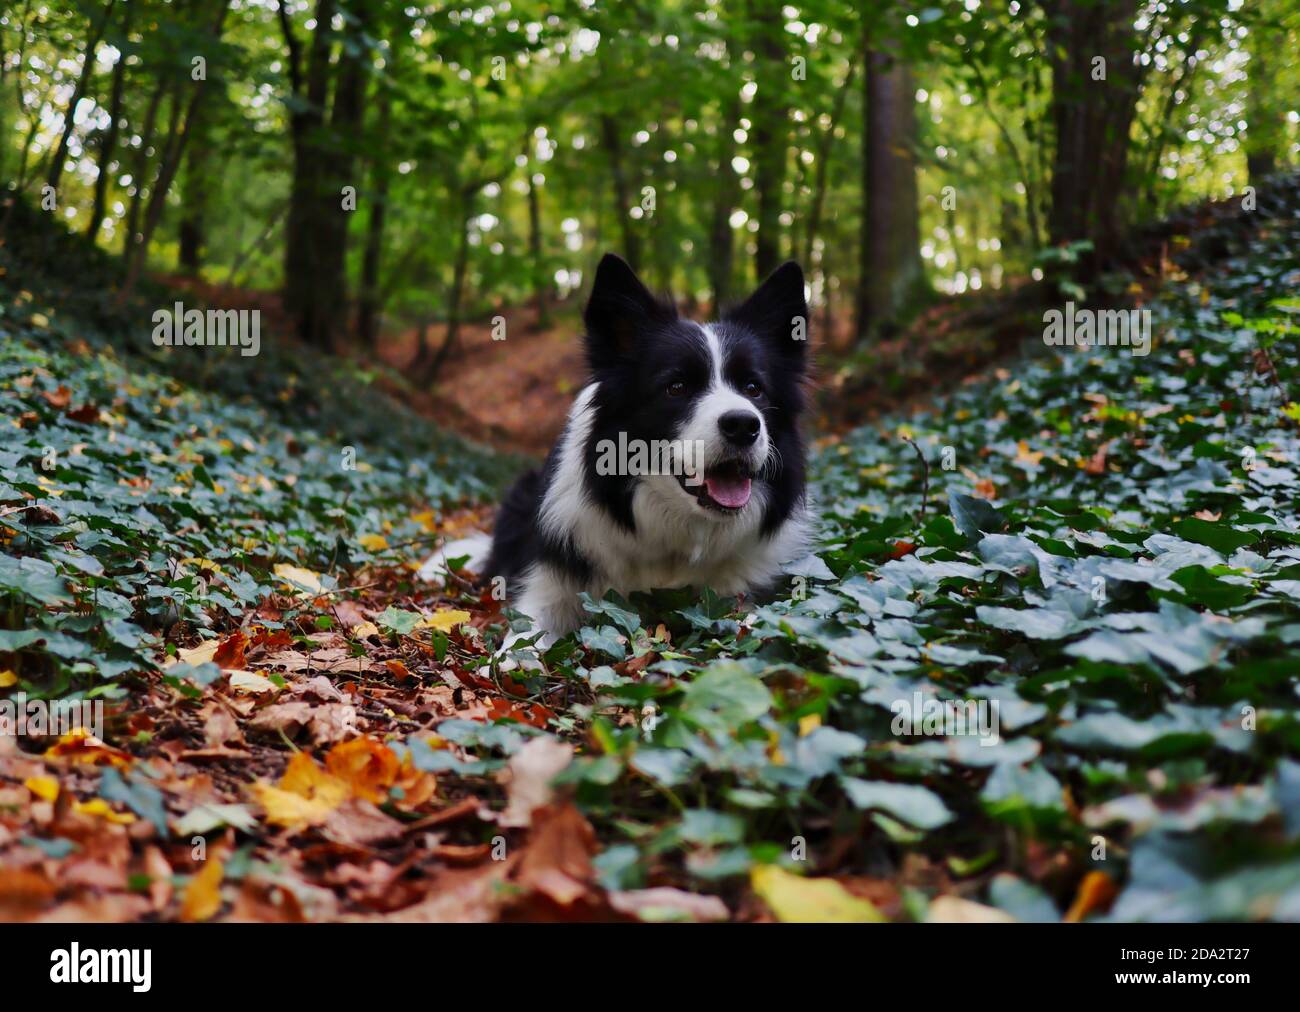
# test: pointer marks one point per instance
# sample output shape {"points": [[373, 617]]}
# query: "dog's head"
{"points": [[713, 408]]}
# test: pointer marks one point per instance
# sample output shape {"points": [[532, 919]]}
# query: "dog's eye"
{"points": [[753, 390], [675, 389]]}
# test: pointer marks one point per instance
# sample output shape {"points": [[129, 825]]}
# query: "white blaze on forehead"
{"points": [[717, 399], [724, 393]]}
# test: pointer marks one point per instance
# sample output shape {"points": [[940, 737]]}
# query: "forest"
{"points": [[211, 544]]}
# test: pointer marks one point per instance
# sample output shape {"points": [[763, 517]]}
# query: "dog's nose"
{"points": [[739, 428]]}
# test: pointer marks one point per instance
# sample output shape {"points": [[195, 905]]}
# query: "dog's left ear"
{"points": [[778, 312]]}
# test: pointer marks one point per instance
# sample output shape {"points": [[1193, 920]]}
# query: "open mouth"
{"points": [[726, 486]]}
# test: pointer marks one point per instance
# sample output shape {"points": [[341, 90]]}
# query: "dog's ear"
{"points": [[777, 312], [619, 309]]}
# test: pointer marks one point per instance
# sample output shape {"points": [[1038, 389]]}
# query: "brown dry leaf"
{"points": [[557, 862], [398, 670], [358, 823], [665, 904], [229, 655], [1097, 462], [527, 778], [23, 891], [985, 489], [220, 727], [1096, 893], [159, 871], [59, 398]]}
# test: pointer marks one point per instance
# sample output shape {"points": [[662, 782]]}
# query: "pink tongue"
{"points": [[732, 492]]}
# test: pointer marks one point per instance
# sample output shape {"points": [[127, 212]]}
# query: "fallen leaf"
{"points": [[666, 904], [1096, 893], [202, 897], [45, 788], [796, 899], [80, 746], [955, 910], [301, 582], [527, 778], [366, 766], [305, 795]]}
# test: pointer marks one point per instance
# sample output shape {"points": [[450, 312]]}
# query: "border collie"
{"points": [[680, 464]]}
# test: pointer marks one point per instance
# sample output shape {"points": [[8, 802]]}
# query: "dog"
{"points": [[681, 461]]}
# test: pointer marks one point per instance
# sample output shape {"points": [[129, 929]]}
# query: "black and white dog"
{"points": [[680, 464]]}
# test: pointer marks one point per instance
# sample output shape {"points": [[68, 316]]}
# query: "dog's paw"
{"points": [[475, 549]]}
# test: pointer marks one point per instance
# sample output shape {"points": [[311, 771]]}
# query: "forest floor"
{"points": [[1103, 552]]}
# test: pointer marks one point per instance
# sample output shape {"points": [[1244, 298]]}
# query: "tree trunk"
{"points": [[623, 198], [456, 296], [83, 80], [821, 172], [1266, 131], [140, 166], [722, 243], [1092, 119], [369, 299], [890, 258], [770, 136], [303, 262], [536, 246], [108, 143], [171, 159]]}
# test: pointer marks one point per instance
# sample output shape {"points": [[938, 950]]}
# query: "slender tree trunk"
{"points": [[173, 152], [536, 244], [770, 136], [192, 227], [722, 243], [892, 274], [139, 167], [1264, 113], [83, 81], [623, 198], [821, 173], [108, 144], [456, 296], [369, 301]]}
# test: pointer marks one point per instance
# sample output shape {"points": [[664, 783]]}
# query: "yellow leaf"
{"points": [[194, 656], [300, 581], [373, 542], [799, 900], [100, 807], [364, 629], [45, 788], [305, 796], [809, 724], [7, 678], [250, 681], [444, 620], [202, 897]]}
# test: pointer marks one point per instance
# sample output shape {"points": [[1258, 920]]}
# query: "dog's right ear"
{"points": [[619, 309]]}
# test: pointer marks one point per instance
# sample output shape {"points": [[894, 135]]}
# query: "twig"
{"points": [[925, 480]]}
